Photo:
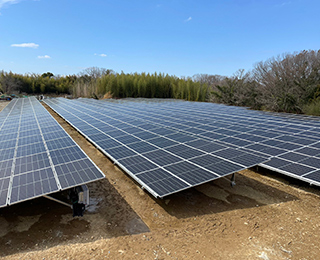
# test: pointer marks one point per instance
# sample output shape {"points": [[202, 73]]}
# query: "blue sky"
{"points": [[178, 37]]}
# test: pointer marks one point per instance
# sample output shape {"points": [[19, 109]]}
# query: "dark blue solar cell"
{"points": [[30, 149], [163, 131], [196, 131], [289, 146], [164, 186], [206, 160], [263, 133], [294, 157], [127, 139], [257, 147], [8, 137], [286, 138], [120, 152], [55, 135], [314, 162], [181, 167], [5, 169], [108, 143], [249, 160], [316, 145], [314, 176], [198, 143], [6, 154], [117, 133], [273, 151], [181, 138], [8, 144], [212, 135], [99, 137], [140, 167], [224, 168], [230, 140], [133, 160], [276, 163], [273, 142], [309, 151], [198, 176], [166, 160], [177, 148], [228, 153], [303, 141], [227, 132], [132, 130], [250, 137], [297, 169], [189, 153], [145, 135], [148, 127], [162, 142]]}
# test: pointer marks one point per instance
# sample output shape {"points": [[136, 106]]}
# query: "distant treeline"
{"points": [[287, 83], [97, 82]]}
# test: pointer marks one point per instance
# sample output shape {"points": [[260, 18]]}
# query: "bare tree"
{"points": [[9, 82], [288, 81]]}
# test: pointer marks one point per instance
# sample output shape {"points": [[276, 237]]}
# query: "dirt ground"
{"points": [[265, 216], [3, 104]]}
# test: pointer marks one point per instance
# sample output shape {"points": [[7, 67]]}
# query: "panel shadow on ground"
{"points": [[218, 196], [42, 223]]}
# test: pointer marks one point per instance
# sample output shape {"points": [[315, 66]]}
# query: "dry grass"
{"points": [[108, 95]]}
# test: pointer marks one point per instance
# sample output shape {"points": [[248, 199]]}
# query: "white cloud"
{"points": [[26, 45], [4, 2], [44, 57], [188, 20], [101, 55]]}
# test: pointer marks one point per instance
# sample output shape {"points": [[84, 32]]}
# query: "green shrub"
{"points": [[312, 108]]}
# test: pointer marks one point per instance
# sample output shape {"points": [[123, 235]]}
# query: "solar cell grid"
{"points": [[189, 153], [314, 176], [4, 185], [30, 149], [5, 168], [26, 167]]}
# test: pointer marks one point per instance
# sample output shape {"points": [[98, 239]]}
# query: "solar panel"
{"points": [[162, 155], [37, 157]]}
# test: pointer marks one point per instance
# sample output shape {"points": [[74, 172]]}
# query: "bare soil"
{"points": [[265, 216]]}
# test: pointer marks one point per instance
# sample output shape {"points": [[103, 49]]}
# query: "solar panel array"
{"points": [[152, 146], [37, 157], [292, 141]]}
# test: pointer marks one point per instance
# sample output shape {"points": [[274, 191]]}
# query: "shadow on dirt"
{"points": [[305, 186], [41, 223], [218, 196]]}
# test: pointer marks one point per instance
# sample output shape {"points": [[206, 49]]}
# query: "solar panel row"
{"points": [[37, 156], [162, 160], [292, 141]]}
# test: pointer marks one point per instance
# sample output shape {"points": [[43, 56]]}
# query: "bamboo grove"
{"points": [[96, 83]]}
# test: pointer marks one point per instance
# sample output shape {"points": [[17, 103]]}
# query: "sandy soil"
{"points": [[265, 216]]}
